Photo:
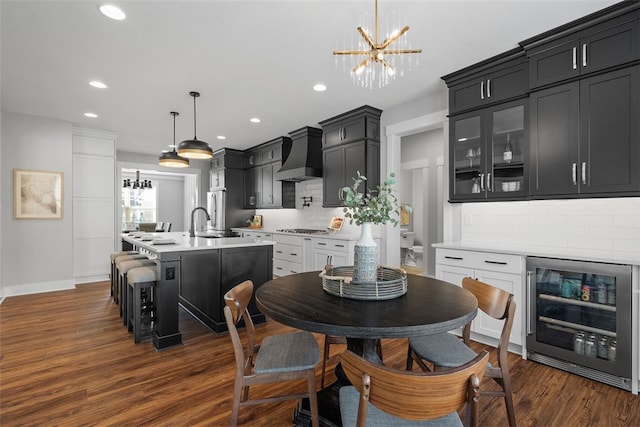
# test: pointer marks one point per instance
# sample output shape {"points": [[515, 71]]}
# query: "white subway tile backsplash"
{"points": [[598, 226]]}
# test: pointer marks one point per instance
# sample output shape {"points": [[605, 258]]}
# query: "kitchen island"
{"points": [[196, 272]]}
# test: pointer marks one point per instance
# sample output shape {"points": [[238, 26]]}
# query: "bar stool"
{"points": [[114, 274], [124, 265], [141, 301]]}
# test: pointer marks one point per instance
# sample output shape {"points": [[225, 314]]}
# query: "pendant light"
{"points": [[171, 158], [194, 148]]}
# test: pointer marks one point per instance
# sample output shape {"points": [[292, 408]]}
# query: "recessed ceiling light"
{"points": [[221, 137], [98, 84], [112, 11], [92, 115], [319, 87], [254, 120]]}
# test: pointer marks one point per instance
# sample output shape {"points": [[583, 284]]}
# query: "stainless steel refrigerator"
{"points": [[225, 209]]}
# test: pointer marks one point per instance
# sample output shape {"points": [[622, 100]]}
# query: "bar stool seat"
{"points": [[141, 301], [124, 266], [113, 276]]}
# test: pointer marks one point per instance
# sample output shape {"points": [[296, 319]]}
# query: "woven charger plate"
{"points": [[391, 283]]}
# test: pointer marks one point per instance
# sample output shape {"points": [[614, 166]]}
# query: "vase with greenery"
{"points": [[377, 206]]}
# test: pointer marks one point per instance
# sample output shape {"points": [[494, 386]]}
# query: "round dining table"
{"points": [[430, 306]]}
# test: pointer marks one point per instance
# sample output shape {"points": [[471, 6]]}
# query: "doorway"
{"points": [[432, 130]]}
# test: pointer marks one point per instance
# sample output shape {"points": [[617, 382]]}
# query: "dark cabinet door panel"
{"points": [[610, 138], [355, 161], [333, 176], [610, 47], [554, 140], [555, 64]]}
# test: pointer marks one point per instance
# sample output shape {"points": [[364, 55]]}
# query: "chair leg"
{"points": [[137, 321], [237, 392], [508, 399], [313, 398], [325, 356], [409, 359]]}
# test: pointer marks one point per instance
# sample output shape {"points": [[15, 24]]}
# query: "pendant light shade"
{"points": [[194, 148], [171, 158]]}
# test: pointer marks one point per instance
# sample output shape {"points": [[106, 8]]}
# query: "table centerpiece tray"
{"points": [[391, 283]]}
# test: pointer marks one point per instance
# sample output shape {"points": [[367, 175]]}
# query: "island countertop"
{"points": [[180, 241]]}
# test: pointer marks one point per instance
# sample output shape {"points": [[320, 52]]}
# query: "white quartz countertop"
{"points": [[543, 251], [327, 235], [180, 242]]}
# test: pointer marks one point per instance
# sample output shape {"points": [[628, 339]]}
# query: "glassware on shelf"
{"points": [[471, 154], [475, 188], [507, 155]]}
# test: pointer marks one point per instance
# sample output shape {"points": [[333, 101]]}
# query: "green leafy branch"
{"points": [[376, 206]]}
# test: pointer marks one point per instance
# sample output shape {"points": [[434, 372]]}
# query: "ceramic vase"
{"points": [[365, 258]]}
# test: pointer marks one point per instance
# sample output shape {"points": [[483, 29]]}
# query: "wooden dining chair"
{"points": [[446, 350], [381, 396], [285, 357]]}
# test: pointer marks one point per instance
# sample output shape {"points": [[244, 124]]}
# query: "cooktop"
{"points": [[302, 231]]}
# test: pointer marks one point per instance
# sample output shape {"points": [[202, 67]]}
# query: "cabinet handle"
{"points": [[495, 262], [321, 244], [307, 238], [528, 302], [454, 257], [584, 54], [278, 252], [293, 254], [278, 268], [482, 89], [339, 246], [489, 186], [584, 173], [574, 173], [481, 182], [488, 88], [575, 58]]}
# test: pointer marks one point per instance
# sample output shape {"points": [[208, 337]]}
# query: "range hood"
{"points": [[305, 159]]}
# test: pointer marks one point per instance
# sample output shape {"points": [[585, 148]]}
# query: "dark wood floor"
{"points": [[66, 360]]}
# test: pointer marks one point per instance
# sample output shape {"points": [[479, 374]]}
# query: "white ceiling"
{"points": [[246, 58]]}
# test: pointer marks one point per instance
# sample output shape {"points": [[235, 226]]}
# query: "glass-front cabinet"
{"points": [[138, 206], [579, 318], [488, 148]]}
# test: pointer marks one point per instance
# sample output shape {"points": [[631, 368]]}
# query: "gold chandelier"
{"points": [[375, 51]]}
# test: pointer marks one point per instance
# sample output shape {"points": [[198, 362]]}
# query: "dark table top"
{"points": [[430, 306]]}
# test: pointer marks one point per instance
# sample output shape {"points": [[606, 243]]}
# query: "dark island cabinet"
{"points": [[206, 276], [606, 39], [492, 81], [489, 153], [585, 136], [351, 144]]}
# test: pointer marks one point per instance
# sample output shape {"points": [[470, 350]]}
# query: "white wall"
{"points": [[170, 196], [36, 254]]}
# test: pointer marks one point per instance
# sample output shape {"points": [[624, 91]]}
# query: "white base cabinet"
{"points": [[503, 271]]}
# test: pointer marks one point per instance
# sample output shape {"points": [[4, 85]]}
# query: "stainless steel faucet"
{"points": [[192, 230]]}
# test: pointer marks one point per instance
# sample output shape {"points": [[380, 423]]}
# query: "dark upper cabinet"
{"points": [[488, 150], [351, 144], [599, 41], [261, 189], [223, 160], [584, 136], [495, 80]]}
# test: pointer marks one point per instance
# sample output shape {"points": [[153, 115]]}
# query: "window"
{"points": [[138, 206]]}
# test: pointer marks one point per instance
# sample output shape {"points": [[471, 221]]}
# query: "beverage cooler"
{"points": [[579, 318]]}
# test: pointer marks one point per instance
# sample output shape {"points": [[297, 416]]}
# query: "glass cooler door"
{"points": [[580, 312]]}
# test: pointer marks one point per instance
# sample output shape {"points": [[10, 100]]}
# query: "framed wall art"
{"points": [[37, 194]]}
